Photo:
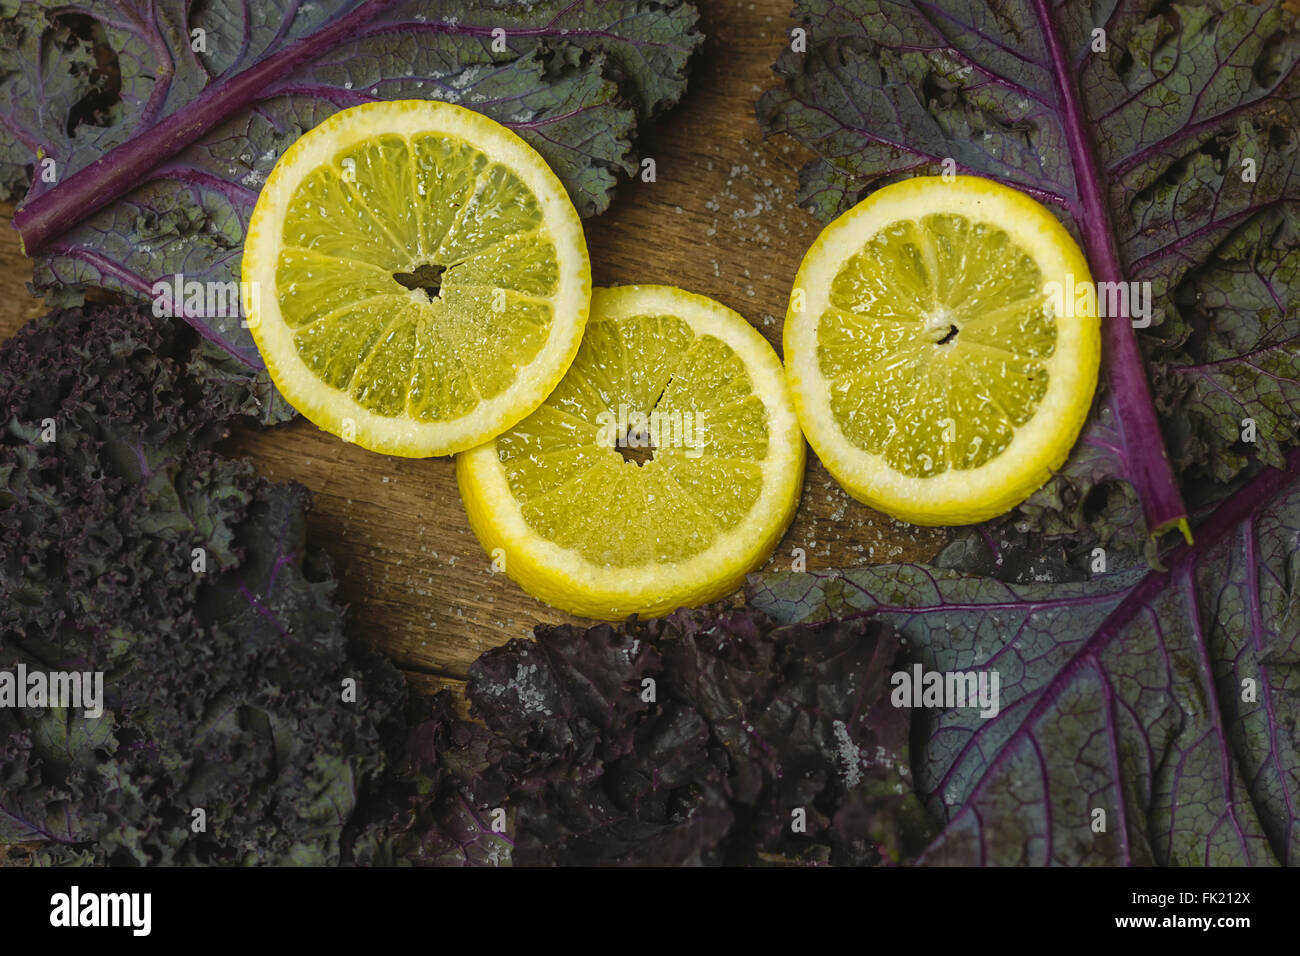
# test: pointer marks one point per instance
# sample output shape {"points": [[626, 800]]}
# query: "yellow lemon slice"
{"points": [[416, 277], [662, 469], [941, 366]]}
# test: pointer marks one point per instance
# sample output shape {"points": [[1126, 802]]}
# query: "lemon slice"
{"points": [[940, 363], [662, 469], [416, 277]]}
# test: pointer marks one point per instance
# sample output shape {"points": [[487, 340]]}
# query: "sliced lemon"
{"points": [[940, 362], [416, 277], [662, 469]]}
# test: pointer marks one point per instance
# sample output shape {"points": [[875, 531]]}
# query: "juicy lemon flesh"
{"points": [[415, 275], [935, 344], [578, 490]]}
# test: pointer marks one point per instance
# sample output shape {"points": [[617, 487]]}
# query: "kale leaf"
{"points": [[1168, 699], [127, 546], [142, 131], [440, 804], [707, 737], [1166, 138]]}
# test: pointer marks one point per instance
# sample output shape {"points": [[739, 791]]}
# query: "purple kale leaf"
{"points": [[223, 682], [438, 806], [143, 130], [1166, 139], [700, 739], [1170, 699], [1235, 354]]}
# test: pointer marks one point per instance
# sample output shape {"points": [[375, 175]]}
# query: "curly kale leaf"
{"points": [[707, 737], [441, 806], [128, 547]]}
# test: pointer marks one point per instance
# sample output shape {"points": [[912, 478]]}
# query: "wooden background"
{"points": [[720, 220]]}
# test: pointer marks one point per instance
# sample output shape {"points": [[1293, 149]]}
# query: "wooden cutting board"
{"points": [[719, 219]]}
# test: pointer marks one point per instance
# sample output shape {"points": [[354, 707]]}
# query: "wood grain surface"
{"points": [[719, 219]]}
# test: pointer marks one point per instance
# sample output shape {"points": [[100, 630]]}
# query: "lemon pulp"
{"points": [[935, 344]]}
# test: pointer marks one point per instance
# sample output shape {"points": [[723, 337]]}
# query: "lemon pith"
{"points": [[587, 528], [933, 371], [418, 278]]}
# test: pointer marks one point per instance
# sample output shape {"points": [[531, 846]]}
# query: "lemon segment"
{"points": [[664, 467], [418, 277], [939, 369]]}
